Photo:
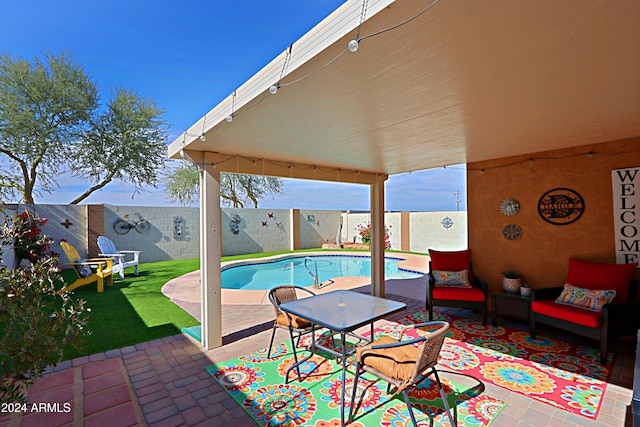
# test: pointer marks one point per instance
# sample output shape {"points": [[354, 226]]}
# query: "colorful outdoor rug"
{"points": [[559, 373], [258, 385]]}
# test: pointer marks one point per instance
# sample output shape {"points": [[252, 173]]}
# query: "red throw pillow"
{"points": [[598, 275], [451, 261]]}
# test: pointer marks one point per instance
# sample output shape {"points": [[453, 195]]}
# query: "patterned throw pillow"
{"points": [[452, 279], [84, 270], [585, 298]]}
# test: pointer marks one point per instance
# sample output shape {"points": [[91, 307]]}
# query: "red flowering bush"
{"points": [[37, 322], [29, 242], [364, 230]]}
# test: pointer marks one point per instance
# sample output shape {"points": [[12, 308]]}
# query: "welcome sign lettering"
{"points": [[626, 203]]}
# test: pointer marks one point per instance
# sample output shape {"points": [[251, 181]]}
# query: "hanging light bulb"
{"points": [[229, 118], [273, 89], [203, 138], [353, 45]]}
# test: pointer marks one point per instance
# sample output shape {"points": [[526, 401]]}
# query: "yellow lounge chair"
{"points": [[82, 267]]}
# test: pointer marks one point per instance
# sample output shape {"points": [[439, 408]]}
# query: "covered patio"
{"points": [[385, 87], [164, 382]]}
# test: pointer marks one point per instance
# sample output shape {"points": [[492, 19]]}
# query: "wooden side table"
{"points": [[510, 304]]}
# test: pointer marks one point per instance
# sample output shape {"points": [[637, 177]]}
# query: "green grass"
{"points": [[134, 310]]}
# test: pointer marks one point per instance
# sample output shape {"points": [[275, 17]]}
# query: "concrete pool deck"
{"points": [[185, 290]]}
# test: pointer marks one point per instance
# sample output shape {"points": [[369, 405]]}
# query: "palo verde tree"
{"points": [[50, 121], [44, 106], [182, 185], [127, 141]]}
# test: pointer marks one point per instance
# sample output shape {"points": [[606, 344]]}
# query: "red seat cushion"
{"points": [[601, 276], [459, 294], [588, 318], [451, 261]]}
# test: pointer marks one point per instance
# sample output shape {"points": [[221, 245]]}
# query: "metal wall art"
{"points": [[509, 207], [447, 223], [234, 224], [512, 232], [561, 206]]}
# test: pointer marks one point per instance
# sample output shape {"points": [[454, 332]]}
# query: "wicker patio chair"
{"points": [[296, 326], [404, 365]]}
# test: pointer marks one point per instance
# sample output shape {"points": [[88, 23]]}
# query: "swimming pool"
{"points": [[297, 270]]}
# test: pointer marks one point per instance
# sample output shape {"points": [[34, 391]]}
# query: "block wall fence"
{"points": [[175, 231]]}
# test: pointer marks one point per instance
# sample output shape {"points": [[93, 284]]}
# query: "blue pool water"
{"points": [[292, 270]]}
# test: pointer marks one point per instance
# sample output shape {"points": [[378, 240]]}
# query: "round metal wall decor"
{"points": [[512, 232], [561, 206], [509, 207], [447, 223]]}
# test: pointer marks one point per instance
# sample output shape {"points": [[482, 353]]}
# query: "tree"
{"points": [[44, 105], [182, 185], [127, 142], [50, 121]]}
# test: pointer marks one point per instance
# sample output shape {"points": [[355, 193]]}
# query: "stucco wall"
{"points": [[543, 251]]}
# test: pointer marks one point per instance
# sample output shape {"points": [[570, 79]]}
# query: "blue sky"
{"points": [[188, 56]]}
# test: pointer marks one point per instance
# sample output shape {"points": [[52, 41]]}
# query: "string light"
{"points": [[531, 160], [355, 43], [352, 46], [229, 118], [290, 166], [184, 144], [204, 121]]}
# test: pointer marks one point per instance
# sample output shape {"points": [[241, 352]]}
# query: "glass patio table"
{"points": [[341, 312]]}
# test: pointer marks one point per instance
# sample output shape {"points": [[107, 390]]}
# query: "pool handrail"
{"points": [[316, 283]]}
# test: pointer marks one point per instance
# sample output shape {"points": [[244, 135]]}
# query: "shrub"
{"points": [[28, 242], [36, 321], [364, 230]]}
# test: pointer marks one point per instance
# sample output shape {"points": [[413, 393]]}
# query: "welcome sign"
{"points": [[626, 203]]}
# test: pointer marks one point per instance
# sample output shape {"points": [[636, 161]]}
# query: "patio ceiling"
{"points": [[463, 82]]}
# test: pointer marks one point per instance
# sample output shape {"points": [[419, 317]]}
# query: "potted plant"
{"points": [[525, 289], [511, 281]]}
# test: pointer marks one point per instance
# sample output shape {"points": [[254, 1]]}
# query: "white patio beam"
{"points": [[232, 163]]}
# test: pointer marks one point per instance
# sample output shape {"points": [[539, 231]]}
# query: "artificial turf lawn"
{"points": [[133, 310]]}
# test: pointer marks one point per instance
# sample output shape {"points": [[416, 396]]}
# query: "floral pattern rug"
{"points": [[562, 374], [258, 384]]}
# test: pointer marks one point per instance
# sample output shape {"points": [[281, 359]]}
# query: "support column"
{"points": [[405, 231], [210, 254], [377, 236], [294, 228]]}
